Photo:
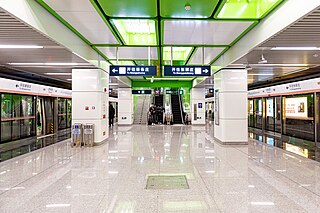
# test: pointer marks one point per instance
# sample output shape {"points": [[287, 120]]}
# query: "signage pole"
{"points": [[117, 55], [171, 55], [149, 55], [202, 56]]}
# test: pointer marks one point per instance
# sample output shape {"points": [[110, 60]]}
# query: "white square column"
{"points": [[125, 106], [230, 106], [90, 100], [198, 111]]}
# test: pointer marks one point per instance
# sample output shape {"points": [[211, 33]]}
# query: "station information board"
{"points": [[187, 70], [133, 70], [141, 92]]}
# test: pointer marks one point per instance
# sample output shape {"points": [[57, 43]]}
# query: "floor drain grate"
{"points": [[167, 182]]}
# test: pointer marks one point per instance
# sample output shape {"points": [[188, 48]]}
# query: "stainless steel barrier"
{"points": [[88, 134], [77, 138]]}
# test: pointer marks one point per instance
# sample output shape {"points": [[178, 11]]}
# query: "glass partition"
{"points": [[62, 113], [69, 113], [17, 117], [298, 116], [270, 114], [250, 113], [257, 104]]}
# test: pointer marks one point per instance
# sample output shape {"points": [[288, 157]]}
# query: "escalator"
{"points": [[176, 109], [158, 100]]}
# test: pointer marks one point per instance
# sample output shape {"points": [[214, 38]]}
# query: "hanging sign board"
{"points": [[187, 70], [133, 70]]}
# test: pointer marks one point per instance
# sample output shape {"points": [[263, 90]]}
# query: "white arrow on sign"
{"points": [[205, 71], [114, 70]]}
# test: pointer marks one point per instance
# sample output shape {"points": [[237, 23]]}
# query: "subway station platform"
{"points": [[196, 173]]}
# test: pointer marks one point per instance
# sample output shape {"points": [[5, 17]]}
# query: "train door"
{"points": [[270, 114], [258, 113], [277, 115]]}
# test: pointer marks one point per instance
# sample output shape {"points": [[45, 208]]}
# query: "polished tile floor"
{"points": [[113, 177]]}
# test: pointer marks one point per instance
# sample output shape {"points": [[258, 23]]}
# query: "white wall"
{"points": [[125, 106], [232, 106], [197, 97], [90, 100]]}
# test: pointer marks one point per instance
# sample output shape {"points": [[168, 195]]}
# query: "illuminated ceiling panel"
{"points": [[198, 8], [129, 8], [130, 53], [209, 55], [136, 31], [246, 9], [202, 32], [179, 53]]}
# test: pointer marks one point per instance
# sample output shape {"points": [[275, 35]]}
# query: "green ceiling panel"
{"points": [[145, 62], [245, 9], [122, 62], [129, 8], [136, 31], [179, 53], [176, 8], [162, 84]]}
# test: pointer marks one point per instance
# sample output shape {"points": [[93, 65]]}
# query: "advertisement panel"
{"points": [[297, 107], [251, 107], [270, 107]]}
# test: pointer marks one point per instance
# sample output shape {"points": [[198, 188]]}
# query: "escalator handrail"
{"points": [[180, 105]]}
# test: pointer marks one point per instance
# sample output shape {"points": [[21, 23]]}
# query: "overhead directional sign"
{"points": [[187, 70], [133, 70]]}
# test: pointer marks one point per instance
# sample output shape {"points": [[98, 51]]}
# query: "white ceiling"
{"points": [[130, 53], [85, 19], [209, 54], [184, 32], [15, 32], [303, 33]]}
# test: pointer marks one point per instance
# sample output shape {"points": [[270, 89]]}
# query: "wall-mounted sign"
{"points": [[174, 92], [187, 70], [200, 105], [133, 70], [297, 107], [141, 92]]}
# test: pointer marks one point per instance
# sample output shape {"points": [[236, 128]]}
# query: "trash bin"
{"points": [[76, 135], [88, 134]]}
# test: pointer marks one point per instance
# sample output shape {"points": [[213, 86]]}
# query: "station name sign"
{"points": [[133, 70], [187, 70]]}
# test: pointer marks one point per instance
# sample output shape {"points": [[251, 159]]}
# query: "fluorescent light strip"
{"points": [[57, 205], [262, 203], [4, 46], [295, 48], [58, 73]]}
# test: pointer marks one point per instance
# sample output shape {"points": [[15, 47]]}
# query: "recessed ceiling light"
{"points": [[295, 48], [58, 73], [69, 79], [4, 46]]}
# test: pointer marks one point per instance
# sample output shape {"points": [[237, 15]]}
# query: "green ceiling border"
{"points": [[191, 54], [220, 6], [57, 16], [162, 84], [218, 56]]}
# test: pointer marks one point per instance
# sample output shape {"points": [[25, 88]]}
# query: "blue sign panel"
{"points": [[133, 70], [187, 70]]}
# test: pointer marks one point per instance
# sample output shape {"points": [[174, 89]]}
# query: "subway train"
{"points": [[31, 112], [290, 109]]}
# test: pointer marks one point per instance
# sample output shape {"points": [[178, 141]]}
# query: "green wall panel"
{"points": [[162, 84], [176, 8], [129, 8]]}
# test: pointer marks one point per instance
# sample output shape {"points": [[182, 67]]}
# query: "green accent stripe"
{"points": [[192, 52], [162, 84]]}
